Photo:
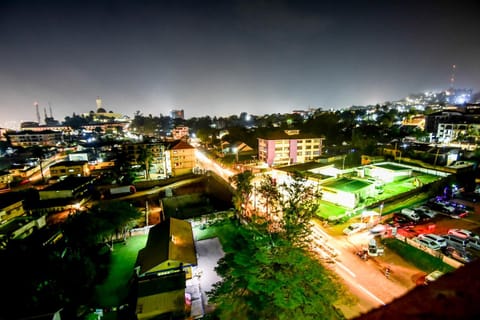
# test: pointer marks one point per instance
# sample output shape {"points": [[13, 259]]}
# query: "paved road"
{"points": [[366, 279]]}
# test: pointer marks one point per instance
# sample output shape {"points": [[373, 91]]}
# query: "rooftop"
{"points": [[69, 183], [68, 163], [282, 135], [171, 239], [391, 166], [14, 224], [9, 198], [345, 184]]}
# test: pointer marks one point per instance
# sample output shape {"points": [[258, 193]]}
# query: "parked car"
{"points": [[411, 214], [441, 241], [473, 243], [427, 243], [402, 221], [463, 233], [458, 213], [433, 276], [379, 229], [354, 227], [425, 212], [458, 254], [437, 206]]}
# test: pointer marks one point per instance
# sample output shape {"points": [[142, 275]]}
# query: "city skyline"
{"points": [[220, 58]]}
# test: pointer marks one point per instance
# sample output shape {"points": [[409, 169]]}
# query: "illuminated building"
{"points": [[289, 147], [31, 138]]}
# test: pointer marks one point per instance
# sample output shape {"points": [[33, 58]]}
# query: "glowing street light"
{"points": [[235, 150]]}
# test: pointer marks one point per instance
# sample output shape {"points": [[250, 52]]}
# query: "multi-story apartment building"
{"points": [[170, 159], [29, 138], [135, 154], [289, 147], [450, 131], [448, 124], [70, 168], [181, 157], [180, 132]]}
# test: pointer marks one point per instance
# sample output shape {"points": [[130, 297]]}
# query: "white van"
{"points": [[411, 214], [439, 240], [456, 242]]}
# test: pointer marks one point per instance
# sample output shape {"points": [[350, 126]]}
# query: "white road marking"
{"points": [[374, 297], [341, 265]]}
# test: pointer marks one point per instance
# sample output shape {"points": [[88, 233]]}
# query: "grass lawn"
{"points": [[327, 209], [115, 288], [212, 230], [417, 257]]}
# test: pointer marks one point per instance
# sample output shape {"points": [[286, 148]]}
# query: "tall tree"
{"points": [[145, 158], [268, 197], [265, 277], [299, 203], [244, 188], [267, 273]]}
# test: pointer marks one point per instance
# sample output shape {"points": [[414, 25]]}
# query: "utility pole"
{"points": [[146, 213], [436, 157]]}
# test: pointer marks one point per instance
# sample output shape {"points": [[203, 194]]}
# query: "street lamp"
{"points": [[235, 150]]}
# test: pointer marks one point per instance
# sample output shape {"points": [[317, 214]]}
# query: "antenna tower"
{"points": [[452, 77], [38, 112]]}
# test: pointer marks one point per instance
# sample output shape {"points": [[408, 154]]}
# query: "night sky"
{"points": [[220, 58]]}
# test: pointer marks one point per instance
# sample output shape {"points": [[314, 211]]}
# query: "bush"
{"points": [[417, 257]]}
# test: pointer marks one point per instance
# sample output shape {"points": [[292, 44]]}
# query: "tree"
{"points": [[266, 272], [244, 188], [289, 206], [299, 205], [145, 158], [100, 224], [265, 277], [76, 122], [268, 196], [119, 215]]}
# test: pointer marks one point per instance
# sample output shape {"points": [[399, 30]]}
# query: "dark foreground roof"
{"points": [[454, 296]]}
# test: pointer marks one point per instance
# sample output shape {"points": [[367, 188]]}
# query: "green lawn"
{"points": [[209, 231], [327, 209], [115, 288]]}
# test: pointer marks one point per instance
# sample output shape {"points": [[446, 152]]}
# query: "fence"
{"points": [[437, 254]]}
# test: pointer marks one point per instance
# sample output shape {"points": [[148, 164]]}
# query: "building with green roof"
{"points": [[347, 192]]}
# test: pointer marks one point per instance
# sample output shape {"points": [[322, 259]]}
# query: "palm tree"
{"points": [[145, 158]]}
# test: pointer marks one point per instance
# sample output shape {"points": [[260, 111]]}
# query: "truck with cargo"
{"points": [[122, 190]]}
